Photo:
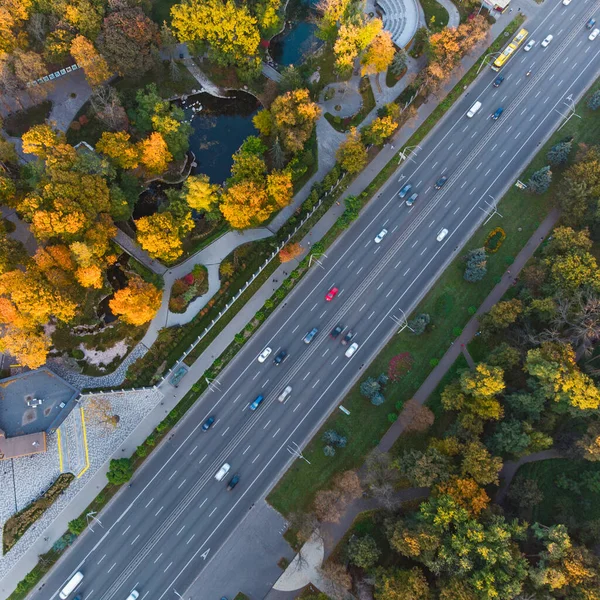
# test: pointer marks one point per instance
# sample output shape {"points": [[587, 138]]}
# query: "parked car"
{"points": [[280, 358], [308, 338], [547, 40], [498, 80], [331, 294], [233, 482], [257, 402], [529, 45], [380, 236], [439, 184], [405, 190], [348, 337], [336, 330], [412, 199], [351, 350], [264, 355], [208, 423]]}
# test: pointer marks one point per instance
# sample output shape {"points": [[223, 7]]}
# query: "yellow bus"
{"points": [[510, 50]]}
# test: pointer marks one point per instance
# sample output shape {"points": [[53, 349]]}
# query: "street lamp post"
{"points": [[404, 153], [570, 110], [294, 450], [485, 59]]}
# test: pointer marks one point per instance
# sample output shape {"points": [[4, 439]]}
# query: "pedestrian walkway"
{"points": [[127, 244]]}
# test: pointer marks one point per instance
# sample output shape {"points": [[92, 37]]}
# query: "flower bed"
{"points": [[188, 288], [494, 240]]}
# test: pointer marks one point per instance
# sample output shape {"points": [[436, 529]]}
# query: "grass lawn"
{"points": [[448, 305], [161, 11], [16, 124], [584, 507], [436, 16]]}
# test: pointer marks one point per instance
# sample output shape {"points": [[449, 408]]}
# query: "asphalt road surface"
{"points": [[163, 531]]}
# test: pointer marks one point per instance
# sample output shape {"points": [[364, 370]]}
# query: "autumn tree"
{"points": [[229, 30], [331, 14], [129, 39], [108, 108], [290, 251], [40, 140], [362, 551], [118, 147], [379, 55], [554, 366], [137, 303], [580, 188], [479, 464], [352, 39], [160, 235], [280, 188], [93, 64], [244, 204], [85, 16], [30, 347], [501, 315], [424, 469], [590, 442], [379, 130], [154, 153], [401, 584], [467, 494], [200, 194], [292, 118], [352, 154]]}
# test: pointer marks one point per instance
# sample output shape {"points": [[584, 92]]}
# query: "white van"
{"points": [[474, 109], [222, 472], [71, 586]]}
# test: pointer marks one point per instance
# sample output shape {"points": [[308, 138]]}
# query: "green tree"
{"points": [[476, 261], [510, 438], [504, 356], [418, 325], [479, 464], [424, 469], [559, 153], [291, 79], [363, 551], [540, 181], [399, 62], [525, 493], [593, 101], [77, 526], [120, 471]]}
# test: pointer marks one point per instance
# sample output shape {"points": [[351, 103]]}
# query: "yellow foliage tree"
{"points": [[40, 140], [155, 155], [93, 64], [118, 147], [263, 121], [289, 252], [379, 54], [30, 347], [200, 194], [294, 116], [352, 154], [160, 235], [466, 493], [91, 276], [379, 130], [352, 39], [229, 29], [245, 204], [137, 303], [280, 188]]}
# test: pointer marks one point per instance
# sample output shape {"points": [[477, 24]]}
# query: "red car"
{"points": [[331, 294]]}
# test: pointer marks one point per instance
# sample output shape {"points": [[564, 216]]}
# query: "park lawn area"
{"points": [[434, 10], [448, 304], [583, 508]]}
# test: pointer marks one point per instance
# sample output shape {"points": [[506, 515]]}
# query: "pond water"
{"points": [[220, 127], [289, 47], [149, 200]]}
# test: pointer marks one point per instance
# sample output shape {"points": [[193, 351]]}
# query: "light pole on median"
{"points": [[491, 210], [316, 257], [294, 450], [404, 153], [570, 111], [486, 61]]}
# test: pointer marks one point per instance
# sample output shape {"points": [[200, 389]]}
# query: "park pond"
{"points": [[298, 37]]}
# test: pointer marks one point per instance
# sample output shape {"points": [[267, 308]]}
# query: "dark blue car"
{"points": [[208, 423], [497, 114], [498, 80]]}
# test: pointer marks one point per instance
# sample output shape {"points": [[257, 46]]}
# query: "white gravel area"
{"points": [[104, 357], [35, 474]]}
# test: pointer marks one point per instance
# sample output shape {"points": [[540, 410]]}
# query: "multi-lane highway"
{"points": [[160, 533]]}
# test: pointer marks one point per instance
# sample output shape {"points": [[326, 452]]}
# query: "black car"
{"points": [[233, 482], [439, 184], [208, 423], [280, 358], [338, 329], [498, 80], [348, 337]]}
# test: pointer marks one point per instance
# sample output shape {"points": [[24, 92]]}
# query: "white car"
{"points": [[442, 234], [134, 595], [547, 40], [593, 35], [530, 44], [566, 2], [351, 350], [380, 236], [284, 396], [264, 355], [222, 472]]}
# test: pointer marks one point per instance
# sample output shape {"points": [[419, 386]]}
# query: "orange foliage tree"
{"points": [[137, 303], [160, 234], [244, 204], [94, 66], [289, 252], [155, 155]]}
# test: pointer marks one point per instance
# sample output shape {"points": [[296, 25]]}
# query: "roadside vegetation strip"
{"points": [[450, 303]]}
